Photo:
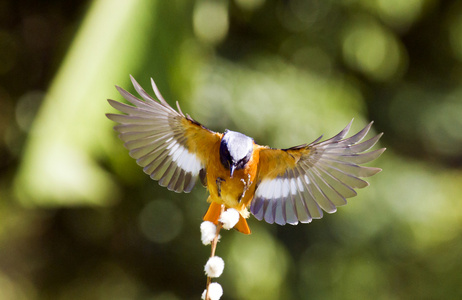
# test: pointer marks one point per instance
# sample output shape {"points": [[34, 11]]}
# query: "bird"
{"points": [[282, 186]]}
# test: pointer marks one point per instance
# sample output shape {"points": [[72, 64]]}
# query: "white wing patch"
{"points": [[153, 133], [283, 200], [186, 160]]}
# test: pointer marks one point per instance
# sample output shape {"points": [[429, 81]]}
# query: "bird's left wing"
{"points": [[298, 183], [171, 147]]}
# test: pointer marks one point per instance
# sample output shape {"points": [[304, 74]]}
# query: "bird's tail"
{"points": [[214, 212]]}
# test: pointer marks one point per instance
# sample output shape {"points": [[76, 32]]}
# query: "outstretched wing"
{"points": [[298, 183], [171, 147]]}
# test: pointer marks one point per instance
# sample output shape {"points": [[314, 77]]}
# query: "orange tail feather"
{"points": [[214, 212], [242, 226]]}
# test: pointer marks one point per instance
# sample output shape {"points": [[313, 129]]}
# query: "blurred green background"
{"points": [[80, 220]]}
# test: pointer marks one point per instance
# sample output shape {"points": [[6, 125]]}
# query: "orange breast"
{"points": [[236, 192]]}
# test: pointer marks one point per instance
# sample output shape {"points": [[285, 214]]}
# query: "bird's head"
{"points": [[235, 150]]}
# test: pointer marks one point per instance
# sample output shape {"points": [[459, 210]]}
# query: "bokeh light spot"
{"points": [[250, 4], [442, 126], [160, 221], [373, 50], [260, 269], [400, 14], [27, 107], [210, 21], [16, 289]]}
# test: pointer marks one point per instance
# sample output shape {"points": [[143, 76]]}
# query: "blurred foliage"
{"points": [[80, 220]]}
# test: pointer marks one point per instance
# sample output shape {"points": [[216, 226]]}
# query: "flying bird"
{"points": [[283, 186]]}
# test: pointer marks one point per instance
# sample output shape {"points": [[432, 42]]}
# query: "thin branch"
{"points": [[212, 254]]}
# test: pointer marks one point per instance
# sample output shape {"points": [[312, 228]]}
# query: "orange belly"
{"points": [[236, 192]]}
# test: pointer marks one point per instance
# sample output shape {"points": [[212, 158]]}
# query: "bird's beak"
{"points": [[231, 170]]}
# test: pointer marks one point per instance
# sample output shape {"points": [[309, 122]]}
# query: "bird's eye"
{"points": [[225, 157]]}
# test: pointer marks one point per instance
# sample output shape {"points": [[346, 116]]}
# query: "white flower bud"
{"points": [[208, 232], [215, 291], [214, 267], [229, 218]]}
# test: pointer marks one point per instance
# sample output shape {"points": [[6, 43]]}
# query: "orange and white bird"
{"points": [[283, 186]]}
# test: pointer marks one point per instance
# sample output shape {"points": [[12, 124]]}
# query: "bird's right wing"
{"points": [[171, 147]]}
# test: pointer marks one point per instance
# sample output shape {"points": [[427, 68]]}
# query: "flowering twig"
{"points": [[210, 234], [212, 255]]}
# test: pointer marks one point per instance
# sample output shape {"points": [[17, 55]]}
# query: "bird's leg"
{"points": [[218, 182], [247, 185]]}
